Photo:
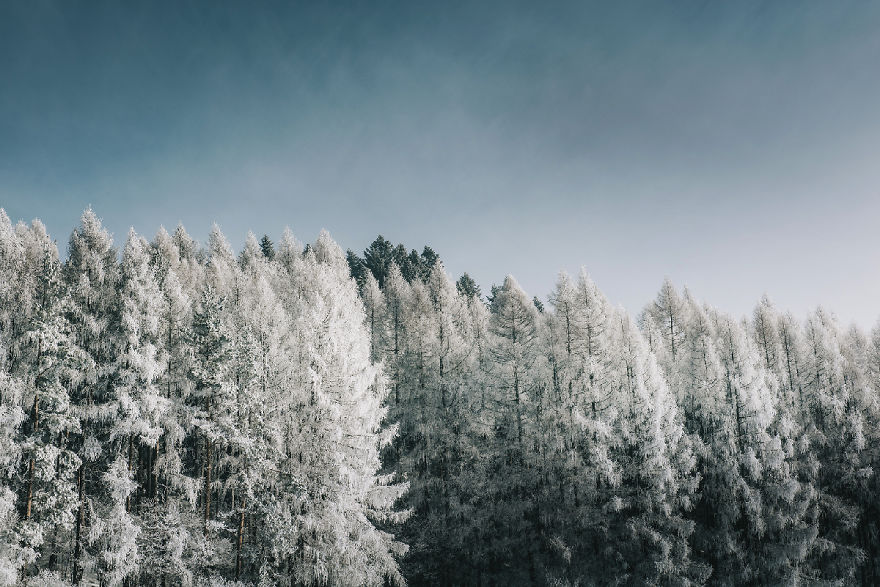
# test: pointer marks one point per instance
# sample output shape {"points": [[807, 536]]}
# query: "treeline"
{"points": [[577, 446], [299, 416]]}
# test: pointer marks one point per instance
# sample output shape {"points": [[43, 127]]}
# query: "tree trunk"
{"points": [[207, 482], [240, 539], [128, 497], [77, 550], [32, 463], [30, 492]]}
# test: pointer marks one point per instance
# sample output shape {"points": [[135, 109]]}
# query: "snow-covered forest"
{"points": [[178, 414]]}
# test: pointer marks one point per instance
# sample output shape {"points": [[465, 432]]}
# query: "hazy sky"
{"points": [[732, 146]]}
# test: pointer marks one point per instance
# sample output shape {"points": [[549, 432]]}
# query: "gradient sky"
{"points": [[732, 146]]}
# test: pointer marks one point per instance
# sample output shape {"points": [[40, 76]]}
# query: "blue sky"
{"points": [[730, 146]]}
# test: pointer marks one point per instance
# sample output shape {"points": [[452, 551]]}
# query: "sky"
{"points": [[730, 146]]}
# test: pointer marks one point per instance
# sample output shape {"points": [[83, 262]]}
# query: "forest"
{"points": [[174, 413]]}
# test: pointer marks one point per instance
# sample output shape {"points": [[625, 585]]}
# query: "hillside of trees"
{"points": [[178, 414]]}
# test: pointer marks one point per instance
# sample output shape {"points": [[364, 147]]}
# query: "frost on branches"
{"points": [[289, 414]]}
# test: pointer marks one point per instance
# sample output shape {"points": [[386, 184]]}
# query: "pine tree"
{"points": [[267, 248], [467, 287], [357, 268], [378, 258]]}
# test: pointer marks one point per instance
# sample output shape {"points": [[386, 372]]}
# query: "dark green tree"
{"points": [[378, 258], [356, 268], [538, 304], [467, 287], [427, 260], [267, 247], [409, 264]]}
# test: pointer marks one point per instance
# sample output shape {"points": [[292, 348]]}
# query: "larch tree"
{"points": [[648, 527], [628, 480], [169, 516], [516, 397], [374, 307], [750, 501], [780, 500], [213, 399], [836, 420], [91, 275], [396, 292], [869, 529], [435, 444], [136, 412], [346, 497], [53, 362]]}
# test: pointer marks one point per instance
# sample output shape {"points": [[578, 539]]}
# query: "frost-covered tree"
{"points": [[13, 294], [624, 467], [755, 517], [869, 530], [648, 527], [837, 407], [780, 503], [211, 402], [168, 515], [342, 498], [435, 447], [396, 292], [515, 401], [37, 486], [291, 415], [51, 362], [374, 306], [91, 275], [135, 414]]}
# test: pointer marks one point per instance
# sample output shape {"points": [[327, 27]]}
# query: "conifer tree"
{"points": [[374, 307], [836, 411], [752, 500], [869, 530], [211, 400], [91, 275], [628, 479], [436, 433], [346, 395], [36, 409], [267, 247], [780, 503], [378, 258], [467, 287], [169, 514], [136, 412], [516, 399]]}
